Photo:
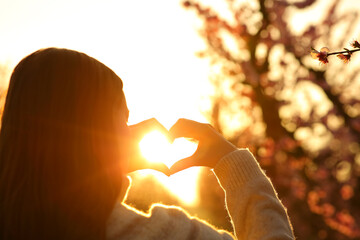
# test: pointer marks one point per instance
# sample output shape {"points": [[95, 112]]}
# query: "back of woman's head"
{"points": [[59, 147]]}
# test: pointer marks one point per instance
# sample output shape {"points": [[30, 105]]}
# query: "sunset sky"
{"points": [[151, 45]]}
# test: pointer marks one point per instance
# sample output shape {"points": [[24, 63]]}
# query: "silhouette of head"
{"points": [[62, 144]]}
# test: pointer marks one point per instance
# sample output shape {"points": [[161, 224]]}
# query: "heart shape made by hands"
{"points": [[155, 147]]}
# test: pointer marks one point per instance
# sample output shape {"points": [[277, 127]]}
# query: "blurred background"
{"points": [[244, 66]]}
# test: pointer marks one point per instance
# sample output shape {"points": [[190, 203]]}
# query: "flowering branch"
{"points": [[324, 53]]}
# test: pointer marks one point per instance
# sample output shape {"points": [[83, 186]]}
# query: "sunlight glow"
{"points": [[156, 148], [151, 68], [184, 185]]}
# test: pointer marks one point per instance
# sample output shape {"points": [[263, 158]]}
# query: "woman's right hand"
{"points": [[212, 146]]}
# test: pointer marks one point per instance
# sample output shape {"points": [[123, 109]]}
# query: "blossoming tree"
{"points": [[299, 117], [345, 56]]}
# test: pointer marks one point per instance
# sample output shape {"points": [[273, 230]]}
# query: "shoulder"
{"points": [[162, 222], [187, 226], [168, 212]]}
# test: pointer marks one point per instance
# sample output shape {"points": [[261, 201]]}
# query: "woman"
{"points": [[65, 149]]}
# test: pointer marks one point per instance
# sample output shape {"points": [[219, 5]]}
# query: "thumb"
{"points": [[157, 166], [182, 165], [160, 167]]}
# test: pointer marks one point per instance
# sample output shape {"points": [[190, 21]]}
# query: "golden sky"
{"points": [[151, 45]]}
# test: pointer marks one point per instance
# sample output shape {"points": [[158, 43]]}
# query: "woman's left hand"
{"points": [[136, 160]]}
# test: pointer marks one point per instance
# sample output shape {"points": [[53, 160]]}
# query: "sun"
{"points": [[155, 147]]}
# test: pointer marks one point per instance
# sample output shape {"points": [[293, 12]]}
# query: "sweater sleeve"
{"points": [[252, 203], [163, 222]]}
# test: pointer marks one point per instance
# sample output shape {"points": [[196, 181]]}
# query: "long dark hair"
{"points": [[60, 147]]}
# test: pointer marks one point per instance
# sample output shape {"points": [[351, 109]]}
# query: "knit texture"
{"points": [[251, 201]]}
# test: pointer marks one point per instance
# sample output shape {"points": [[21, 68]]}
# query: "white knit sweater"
{"points": [[252, 203]]}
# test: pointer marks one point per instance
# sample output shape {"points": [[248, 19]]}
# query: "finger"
{"points": [[186, 128], [139, 130], [182, 165], [147, 125], [160, 167]]}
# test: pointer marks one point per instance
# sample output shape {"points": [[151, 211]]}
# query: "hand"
{"points": [[212, 146], [136, 159]]}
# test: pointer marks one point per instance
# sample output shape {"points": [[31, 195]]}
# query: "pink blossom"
{"points": [[344, 57], [322, 56], [355, 44]]}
